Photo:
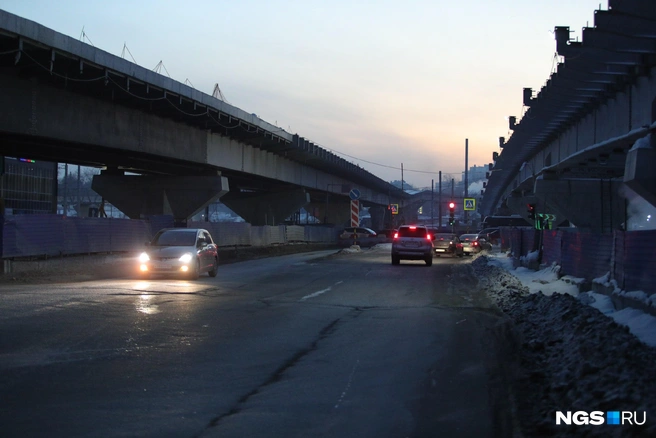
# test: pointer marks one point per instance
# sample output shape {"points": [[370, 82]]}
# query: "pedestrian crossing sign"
{"points": [[394, 208], [470, 204]]}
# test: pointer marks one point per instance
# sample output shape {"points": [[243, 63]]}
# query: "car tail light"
{"points": [[413, 228], [396, 235], [475, 243], [428, 236]]}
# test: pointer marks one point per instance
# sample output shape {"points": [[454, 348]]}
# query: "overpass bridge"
{"points": [[575, 150], [165, 147]]}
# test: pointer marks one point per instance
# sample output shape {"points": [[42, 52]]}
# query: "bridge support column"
{"points": [[377, 214], [146, 195], [335, 211], [591, 204], [269, 209], [639, 169], [517, 203]]}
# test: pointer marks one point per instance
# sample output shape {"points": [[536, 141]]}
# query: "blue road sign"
{"points": [[354, 194]]}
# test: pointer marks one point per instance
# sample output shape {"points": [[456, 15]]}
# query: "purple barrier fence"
{"points": [[511, 238], [55, 235], [586, 255], [86, 235], [128, 235], [528, 240], [551, 246], [638, 262], [37, 235], [158, 222], [618, 258]]}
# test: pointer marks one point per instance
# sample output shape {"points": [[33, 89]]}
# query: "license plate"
{"points": [[439, 250], [160, 265]]}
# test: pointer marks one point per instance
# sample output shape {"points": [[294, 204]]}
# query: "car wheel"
{"points": [[429, 261], [212, 272], [395, 260]]}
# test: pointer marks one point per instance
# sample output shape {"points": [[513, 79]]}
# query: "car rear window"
{"points": [[412, 232], [444, 237], [469, 237]]}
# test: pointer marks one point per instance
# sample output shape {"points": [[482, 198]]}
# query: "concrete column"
{"points": [[590, 204], [146, 195], [267, 209], [377, 214], [639, 169]]}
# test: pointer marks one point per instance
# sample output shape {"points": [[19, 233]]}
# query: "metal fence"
{"points": [[49, 235]]}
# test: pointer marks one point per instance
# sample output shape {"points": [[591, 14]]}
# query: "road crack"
{"points": [[274, 377]]}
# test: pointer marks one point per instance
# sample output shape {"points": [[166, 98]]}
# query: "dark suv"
{"points": [[412, 243]]}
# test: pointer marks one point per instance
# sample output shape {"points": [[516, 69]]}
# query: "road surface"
{"points": [[316, 344]]}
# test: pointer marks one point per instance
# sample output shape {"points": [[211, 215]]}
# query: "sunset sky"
{"points": [[379, 83]]}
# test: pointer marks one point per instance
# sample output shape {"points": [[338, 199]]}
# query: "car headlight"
{"points": [[186, 258], [143, 257]]}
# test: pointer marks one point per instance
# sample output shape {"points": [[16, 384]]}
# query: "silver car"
{"points": [[186, 251], [412, 243]]}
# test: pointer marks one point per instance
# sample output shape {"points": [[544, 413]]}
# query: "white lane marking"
{"points": [[322, 291], [348, 384]]}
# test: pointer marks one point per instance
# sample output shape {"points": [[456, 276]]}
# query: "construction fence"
{"points": [[49, 235], [629, 256]]}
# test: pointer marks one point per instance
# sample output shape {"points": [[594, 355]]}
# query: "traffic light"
{"points": [[452, 211], [531, 211]]}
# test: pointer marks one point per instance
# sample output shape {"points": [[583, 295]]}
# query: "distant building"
{"points": [[476, 173]]}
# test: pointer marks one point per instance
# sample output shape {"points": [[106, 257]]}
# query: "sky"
{"points": [[380, 83]]}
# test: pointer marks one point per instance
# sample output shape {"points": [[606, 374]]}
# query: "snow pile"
{"points": [[575, 352]]}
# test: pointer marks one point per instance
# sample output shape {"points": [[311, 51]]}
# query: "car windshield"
{"points": [[412, 232], [175, 238]]}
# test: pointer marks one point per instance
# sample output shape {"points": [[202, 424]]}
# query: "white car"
{"points": [[186, 251], [412, 243]]}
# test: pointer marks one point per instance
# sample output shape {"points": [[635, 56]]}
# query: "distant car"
{"points": [[412, 243], [472, 244], [447, 243], [185, 251], [389, 233], [357, 234], [491, 235]]}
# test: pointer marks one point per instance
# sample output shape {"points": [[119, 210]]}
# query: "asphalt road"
{"points": [[312, 344]]}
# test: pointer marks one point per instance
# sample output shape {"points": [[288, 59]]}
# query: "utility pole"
{"points": [[466, 174], [79, 214], [452, 194], [401, 206], [439, 200], [432, 203], [65, 203]]}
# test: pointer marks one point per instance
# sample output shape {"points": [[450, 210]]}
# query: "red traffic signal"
{"points": [[452, 205], [531, 211]]}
